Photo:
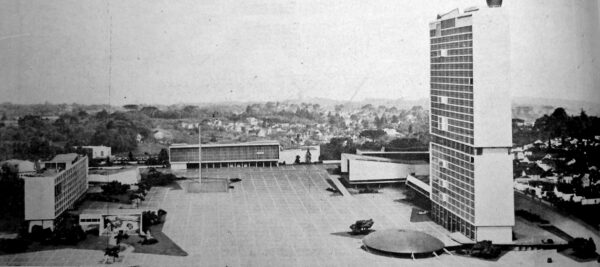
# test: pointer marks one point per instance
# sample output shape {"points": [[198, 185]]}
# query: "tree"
{"points": [[583, 247], [406, 144], [297, 161], [130, 156], [163, 156], [11, 192], [114, 188], [372, 134], [307, 157]]}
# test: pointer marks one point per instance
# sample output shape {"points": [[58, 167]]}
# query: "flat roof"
{"points": [[63, 158], [382, 159], [255, 143], [109, 171], [391, 152], [46, 173]]}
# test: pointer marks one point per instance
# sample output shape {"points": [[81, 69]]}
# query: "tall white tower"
{"points": [[471, 169]]}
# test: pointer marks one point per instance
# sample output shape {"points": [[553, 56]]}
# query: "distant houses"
{"points": [[561, 173]]}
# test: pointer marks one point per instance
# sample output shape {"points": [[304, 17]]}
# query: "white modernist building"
{"points": [[97, 151], [377, 169], [255, 154], [471, 167], [49, 194]]}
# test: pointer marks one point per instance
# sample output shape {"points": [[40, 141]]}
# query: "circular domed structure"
{"points": [[403, 243]]}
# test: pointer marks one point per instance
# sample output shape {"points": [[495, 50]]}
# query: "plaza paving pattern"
{"points": [[277, 217]]}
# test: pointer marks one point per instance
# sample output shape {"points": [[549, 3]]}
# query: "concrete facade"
{"points": [[368, 169], [259, 154], [122, 175], [49, 194], [471, 168]]}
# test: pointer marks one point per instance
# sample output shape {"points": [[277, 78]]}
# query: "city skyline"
{"points": [[265, 51]]}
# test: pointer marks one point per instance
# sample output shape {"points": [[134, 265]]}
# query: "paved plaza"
{"points": [[279, 216]]}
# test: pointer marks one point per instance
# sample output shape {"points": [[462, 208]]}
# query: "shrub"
{"points": [[485, 249], [156, 178], [115, 188], [149, 218], [582, 247], [14, 245], [37, 232], [162, 216]]}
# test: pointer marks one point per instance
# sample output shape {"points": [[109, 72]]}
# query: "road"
{"points": [[570, 225]]}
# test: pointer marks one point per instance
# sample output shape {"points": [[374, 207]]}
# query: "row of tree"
{"points": [[35, 137]]}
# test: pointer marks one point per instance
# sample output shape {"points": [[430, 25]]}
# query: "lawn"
{"points": [[165, 245]]}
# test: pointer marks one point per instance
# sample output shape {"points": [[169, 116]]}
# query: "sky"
{"points": [[189, 51]]}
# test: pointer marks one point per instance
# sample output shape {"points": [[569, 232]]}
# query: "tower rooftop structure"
{"points": [[494, 3]]}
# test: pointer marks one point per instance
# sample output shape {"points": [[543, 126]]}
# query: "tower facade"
{"points": [[470, 124]]}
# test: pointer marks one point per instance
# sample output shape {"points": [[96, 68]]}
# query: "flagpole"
{"points": [[199, 156]]}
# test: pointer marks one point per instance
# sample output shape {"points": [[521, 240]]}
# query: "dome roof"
{"points": [[403, 242]]}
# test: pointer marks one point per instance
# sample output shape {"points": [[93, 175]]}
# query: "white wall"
{"points": [[491, 79], [39, 198], [363, 170], [130, 177], [494, 195], [497, 234], [178, 166], [344, 162]]}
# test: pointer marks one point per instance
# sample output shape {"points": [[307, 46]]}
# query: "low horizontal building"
{"points": [[259, 154], [123, 175], [370, 169], [96, 152], [50, 193]]}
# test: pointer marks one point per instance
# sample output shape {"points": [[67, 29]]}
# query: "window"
{"points": [[57, 189], [471, 81], [443, 163], [449, 23], [443, 123], [479, 151]]}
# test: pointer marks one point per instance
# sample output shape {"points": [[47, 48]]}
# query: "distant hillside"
{"points": [[529, 109]]}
